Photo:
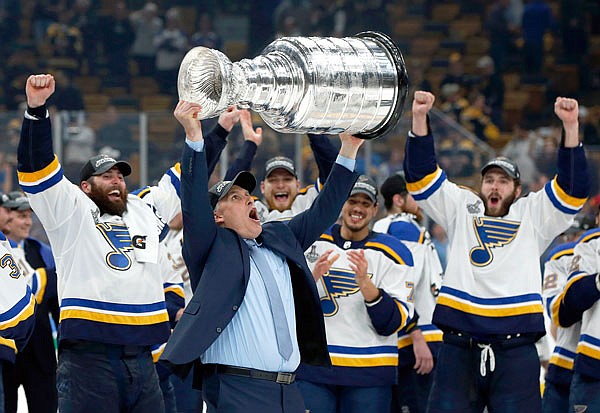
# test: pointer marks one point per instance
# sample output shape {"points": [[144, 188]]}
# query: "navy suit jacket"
{"points": [[219, 266]]}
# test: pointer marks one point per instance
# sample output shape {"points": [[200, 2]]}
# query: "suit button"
{"points": [[219, 329], [235, 307]]}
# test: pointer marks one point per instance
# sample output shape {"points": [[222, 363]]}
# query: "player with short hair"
{"points": [[363, 279], [419, 342], [490, 305]]}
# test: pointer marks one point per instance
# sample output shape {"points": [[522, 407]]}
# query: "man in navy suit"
{"points": [[255, 313]]}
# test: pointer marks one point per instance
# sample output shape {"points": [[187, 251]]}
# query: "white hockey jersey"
{"points": [[17, 305], [492, 280], [427, 271], [109, 277], [556, 273], [359, 353]]}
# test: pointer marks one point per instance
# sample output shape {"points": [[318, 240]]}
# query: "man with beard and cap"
{"points": [[106, 246], [255, 312], [418, 343], [490, 305], [364, 279]]}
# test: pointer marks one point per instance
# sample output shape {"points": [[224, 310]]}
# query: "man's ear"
{"points": [[518, 191], [262, 187], [398, 200], [85, 187]]}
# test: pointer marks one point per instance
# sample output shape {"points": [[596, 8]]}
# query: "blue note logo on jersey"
{"points": [[337, 283], [117, 236], [491, 233]]}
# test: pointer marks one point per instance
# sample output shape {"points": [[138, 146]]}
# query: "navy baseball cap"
{"points": [[505, 164], [280, 162], [365, 185], [243, 179], [99, 164]]}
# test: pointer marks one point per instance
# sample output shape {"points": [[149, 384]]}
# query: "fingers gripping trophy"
{"points": [[315, 85]]}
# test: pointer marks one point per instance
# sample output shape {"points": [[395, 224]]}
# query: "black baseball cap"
{"points": [[365, 185], [280, 162], [99, 164], [394, 184], [505, 164], [243, 179]]}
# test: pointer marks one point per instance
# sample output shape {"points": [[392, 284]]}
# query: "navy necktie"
{"points": [[282, 332]]}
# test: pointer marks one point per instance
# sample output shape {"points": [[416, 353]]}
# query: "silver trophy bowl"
{"points": [[305, 84]]}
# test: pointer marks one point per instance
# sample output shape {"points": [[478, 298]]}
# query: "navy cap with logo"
{"points": [[99, 164], [394, 184], [280, 162], [507, 165], [243, 179], [365, 185]]}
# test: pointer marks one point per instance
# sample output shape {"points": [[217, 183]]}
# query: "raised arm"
{"points": [[325, 154], [199, 228], [310, 224], [252, 140]]}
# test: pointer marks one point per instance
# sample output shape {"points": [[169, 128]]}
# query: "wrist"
{"points": [[348, 151]]}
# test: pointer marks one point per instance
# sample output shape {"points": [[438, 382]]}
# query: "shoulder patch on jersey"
{"points": [[589, 235], [406, 231], [391, 247], [142, 192], [561, 250]]}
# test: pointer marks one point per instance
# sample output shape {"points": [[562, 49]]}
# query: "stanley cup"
{"points": [[305, 84]]}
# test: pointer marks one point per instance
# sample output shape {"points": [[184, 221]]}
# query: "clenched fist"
{"points": [[38, 89]]}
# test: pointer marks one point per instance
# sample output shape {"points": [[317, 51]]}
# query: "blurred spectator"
{"points": [[206, 35], [537, 19], [453, 101], [172, 43], [416, 67], [519, 150], [8, 169], [10, 11], [476, 119], [118, 36], [456, 72], [546, 163], [588, 121], [500, 33], [393, 164], [64, 39], [79, 141], [146, 25], [67, 95], [455, 155], [575, 37], [84, 19], [492, 86], [292, 13], [440, 240], [45, 12], [115, 134]]}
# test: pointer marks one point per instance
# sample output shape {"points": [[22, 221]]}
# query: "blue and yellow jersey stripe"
{"points": [[490, 307], [589, 346], [113, 313], [176, 288], [10, 343], [563, 358], [561, 200], [38, 181], [430, 332], [174, 174], [425, 187], [377, 356], [21, 311], [157, 351], [555, 303], [38, 284]]}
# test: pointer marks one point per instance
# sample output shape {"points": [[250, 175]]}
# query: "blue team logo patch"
{"points": [[338, 283], [117, 236], [491, 233]]}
